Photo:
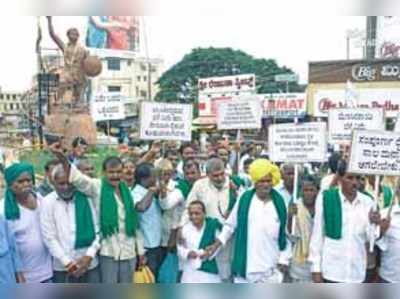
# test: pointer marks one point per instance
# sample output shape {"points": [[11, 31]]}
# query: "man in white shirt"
{"points": [[21, 208], [341, 232], [121, 240], [71, 232], [389, 244], [262, 250], [215, 192]]}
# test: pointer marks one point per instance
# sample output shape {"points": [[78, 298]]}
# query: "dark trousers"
{"points": [[155, 257], [91, 276]]}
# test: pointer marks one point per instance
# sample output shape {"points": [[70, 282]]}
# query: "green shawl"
{"points": [[238, 182], [109, 210], [85, 233], [11, 174], [332, 213], [387, 196], [208, 238], [185, 187], [239, 264]]}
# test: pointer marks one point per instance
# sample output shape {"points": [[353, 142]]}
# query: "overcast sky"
{"points": [[292, 40]]}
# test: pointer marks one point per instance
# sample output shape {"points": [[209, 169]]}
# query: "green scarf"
{"points": [[11, 174], [238, 182], [387, 196], [332, 213], [239, 264], [109, 210], [185, 187], [85, 233], [208, 238]]}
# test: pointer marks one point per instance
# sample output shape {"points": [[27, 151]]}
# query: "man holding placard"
{"points": [[342, 226]]}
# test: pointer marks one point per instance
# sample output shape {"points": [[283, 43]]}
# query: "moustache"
{"points": [[66, 194]]}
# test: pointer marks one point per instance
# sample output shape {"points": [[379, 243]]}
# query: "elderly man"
{"points": [[21, 208], [261, 251], [219, 198], [342, 227], [71, 232], [121, 240], [285, 187]]}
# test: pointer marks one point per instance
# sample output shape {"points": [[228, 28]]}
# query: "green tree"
{"points": [[179, 83]]}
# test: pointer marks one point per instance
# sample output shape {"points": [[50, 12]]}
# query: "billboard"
{"points": [[387, 37], [284, 105], [113, 33]]}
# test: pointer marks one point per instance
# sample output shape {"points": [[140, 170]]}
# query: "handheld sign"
{"points": [[162, 121], [239, 114], [342, 122], [298, 143], [375, 152], [108, 106]]}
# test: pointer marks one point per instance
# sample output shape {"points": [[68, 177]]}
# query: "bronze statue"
{"points": [[74, 55]]}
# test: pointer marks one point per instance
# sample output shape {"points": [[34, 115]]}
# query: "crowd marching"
{"points": [[229, 217]]}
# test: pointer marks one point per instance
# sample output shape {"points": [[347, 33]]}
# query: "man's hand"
{"points": [[210, 250], [292, 209], [192, 255], [83, 264], [156, 147], [142, 260], [317, 277], [283, 268], [374, 217], [20, 278], [385, 224]]}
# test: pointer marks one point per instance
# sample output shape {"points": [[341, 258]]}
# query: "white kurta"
{"points": [[343, 260], [390, 247], [192, 237], [263, 254]]}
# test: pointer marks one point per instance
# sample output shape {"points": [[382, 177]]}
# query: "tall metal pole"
{"points": [[371, 37]]}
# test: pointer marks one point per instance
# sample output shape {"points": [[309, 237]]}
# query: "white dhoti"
{"points": [[195, 276], [273, 276]]}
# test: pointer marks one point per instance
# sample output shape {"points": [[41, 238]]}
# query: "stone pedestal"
{"points": [[71, 125]]}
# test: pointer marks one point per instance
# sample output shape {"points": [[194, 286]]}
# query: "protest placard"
{"points": [[108, 106], [298, 143], [375, 152], [162, 121], [342, 122], [244, 113]]}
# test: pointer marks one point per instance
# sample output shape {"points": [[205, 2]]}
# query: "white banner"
{"points": [[387, 37], [227, 84], [298, 143], [375, 152], [164, 121], [108, 106], [342, 122], [386, 98], [284, 105], [241, 114]]}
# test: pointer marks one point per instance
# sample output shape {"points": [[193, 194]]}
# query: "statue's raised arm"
{"points": [[54, 36]]}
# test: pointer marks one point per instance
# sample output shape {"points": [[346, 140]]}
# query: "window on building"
{"points": [[7, 96], [114, 64], [12, 106], [129, 62], [14, 96], [114, 88], [144, 78], [17, 106], [138, 78], [1, 96], [143, 94], [137, 91], [143, 67], [153, 69]]}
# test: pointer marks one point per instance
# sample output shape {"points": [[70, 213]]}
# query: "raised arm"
{"points": [[54, 36]]}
